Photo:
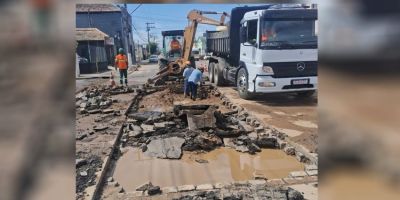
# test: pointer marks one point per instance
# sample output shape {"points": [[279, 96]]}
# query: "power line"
{"points": [[136, 8], [148, 28], [137, 32]]}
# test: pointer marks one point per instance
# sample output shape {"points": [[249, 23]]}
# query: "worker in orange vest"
{"points": [[121, 61], [175, 46]]}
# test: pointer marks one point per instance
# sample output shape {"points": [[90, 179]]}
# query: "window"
{"points": [[252, 31]]}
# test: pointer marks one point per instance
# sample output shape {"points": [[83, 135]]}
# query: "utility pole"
{"points": [[148, 27]]}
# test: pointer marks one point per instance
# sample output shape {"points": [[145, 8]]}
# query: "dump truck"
{"points": [[266, 49]]}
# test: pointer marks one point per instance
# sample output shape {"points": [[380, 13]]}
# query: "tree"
{"points": [[153, 47]]}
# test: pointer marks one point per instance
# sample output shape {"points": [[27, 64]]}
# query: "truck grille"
{"points": [[294, 69]]}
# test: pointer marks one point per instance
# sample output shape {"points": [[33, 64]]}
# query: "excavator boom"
{"points": [[195, 17]]}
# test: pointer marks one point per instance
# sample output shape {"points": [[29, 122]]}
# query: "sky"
{"points": [[170, 17]]}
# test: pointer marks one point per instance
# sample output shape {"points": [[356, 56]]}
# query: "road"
{"points": [[146, 71], [294, 116]]}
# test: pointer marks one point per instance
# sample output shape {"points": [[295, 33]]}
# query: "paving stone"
{"points": [[100, 128], [259, 129], [311, 167], [83, 173], [147, 128], [220, 185], [106, 111], [312, 172], [292, 181], [296, 174], [80, 162], [205, 187], [167, 190], [257, 182], [110, 179], [281, 144], [95, 111], [186, 188], [289, 150], [245, 127], [275, 182]]}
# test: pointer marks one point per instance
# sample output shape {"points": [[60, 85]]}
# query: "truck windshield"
{"points": [[288, 34]]}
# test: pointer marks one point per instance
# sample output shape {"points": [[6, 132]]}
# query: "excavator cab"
{"points": [[172, 44]]}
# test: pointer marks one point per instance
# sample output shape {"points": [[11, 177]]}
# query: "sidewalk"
{"points": [[105, 74]]}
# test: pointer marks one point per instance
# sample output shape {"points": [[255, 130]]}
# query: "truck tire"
{"points": [[243, 85], [211, 72], [305, 94], [218, 78]]}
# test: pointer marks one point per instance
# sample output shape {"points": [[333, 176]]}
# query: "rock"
{"points": [[147, 128], [300, 157], [257, 182], [80, 162], [205, 120], [253, 136], [84, 105], [281, 144], [253, 148], [116, 184], [159, 125], [167, 190], [241, 149], [244, 127], [81, 94], [266, 142], [94, 111], [110, 179], [153, 190], [106, 111], [228, 142], [81, 136], [186, 188], [207, 141], [165, 148], [297, 174], [289, 150], [201, 160], [259, 129], [144, 186], [294, 195], [122, 190], [82, 111], [311, 167], [100, 128], [134, 134], [83, 173], [205, 187]]}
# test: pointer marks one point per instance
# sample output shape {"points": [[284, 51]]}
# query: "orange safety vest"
{"points": [[175, 45], [121, 61]]}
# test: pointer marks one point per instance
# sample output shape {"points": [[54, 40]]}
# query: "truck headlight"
{"points": [[268, 69]]}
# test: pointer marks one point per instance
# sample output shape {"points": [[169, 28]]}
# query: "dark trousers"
{"points": [[123, 73], [186, 88], [193, 90]]}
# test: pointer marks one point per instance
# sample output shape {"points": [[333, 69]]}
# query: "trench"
{"points": [[213, 162]]}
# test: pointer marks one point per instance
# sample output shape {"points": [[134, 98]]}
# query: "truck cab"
{"points": [[278, 51]]}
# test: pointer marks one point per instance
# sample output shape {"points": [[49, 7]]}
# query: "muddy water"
{"points": [[224, 165]]}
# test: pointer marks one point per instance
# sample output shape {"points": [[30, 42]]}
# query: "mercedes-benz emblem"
{"points": [[301, 66]]}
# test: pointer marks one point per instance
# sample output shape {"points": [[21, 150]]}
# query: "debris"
{"points": [[83, 173], [186, 188], [80, 162], [94, 111], [205, 120], [165, 148], [110, 179], [100, 128], [267, 142], [106, 111], [201, 160], [153, 190], [246, 128], [144, 186], [290, 150]]}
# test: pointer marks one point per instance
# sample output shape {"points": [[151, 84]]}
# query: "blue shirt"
{"points": [[196, 76], [187, 72]]}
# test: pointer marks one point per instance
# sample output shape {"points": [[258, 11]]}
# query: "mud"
{"points": [[224, 165]]}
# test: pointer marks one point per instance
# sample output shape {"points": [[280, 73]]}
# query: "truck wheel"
{"points": [[305, 94], [211, 72], [218, 78], [242, 84]]}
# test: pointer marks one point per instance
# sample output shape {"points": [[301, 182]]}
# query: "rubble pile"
{"points": [[92, 101], [193, 128], [85, 172]]}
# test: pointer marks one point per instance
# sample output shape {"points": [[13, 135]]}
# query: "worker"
{"points": [[175, 46], [121, 61], [196, 78], [186, 74]]}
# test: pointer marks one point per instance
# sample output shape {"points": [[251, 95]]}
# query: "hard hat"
{"points": [[120, 50]]}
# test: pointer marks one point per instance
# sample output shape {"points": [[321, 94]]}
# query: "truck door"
{"points": [[248, 47]]}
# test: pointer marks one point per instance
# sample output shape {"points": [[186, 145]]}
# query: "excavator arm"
{"points": [[195, 17]]}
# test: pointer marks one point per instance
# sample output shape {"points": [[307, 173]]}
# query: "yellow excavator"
{"points": [[195, 17]]}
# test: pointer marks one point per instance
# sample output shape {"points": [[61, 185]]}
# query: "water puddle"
{"points": [[224, 165]]}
